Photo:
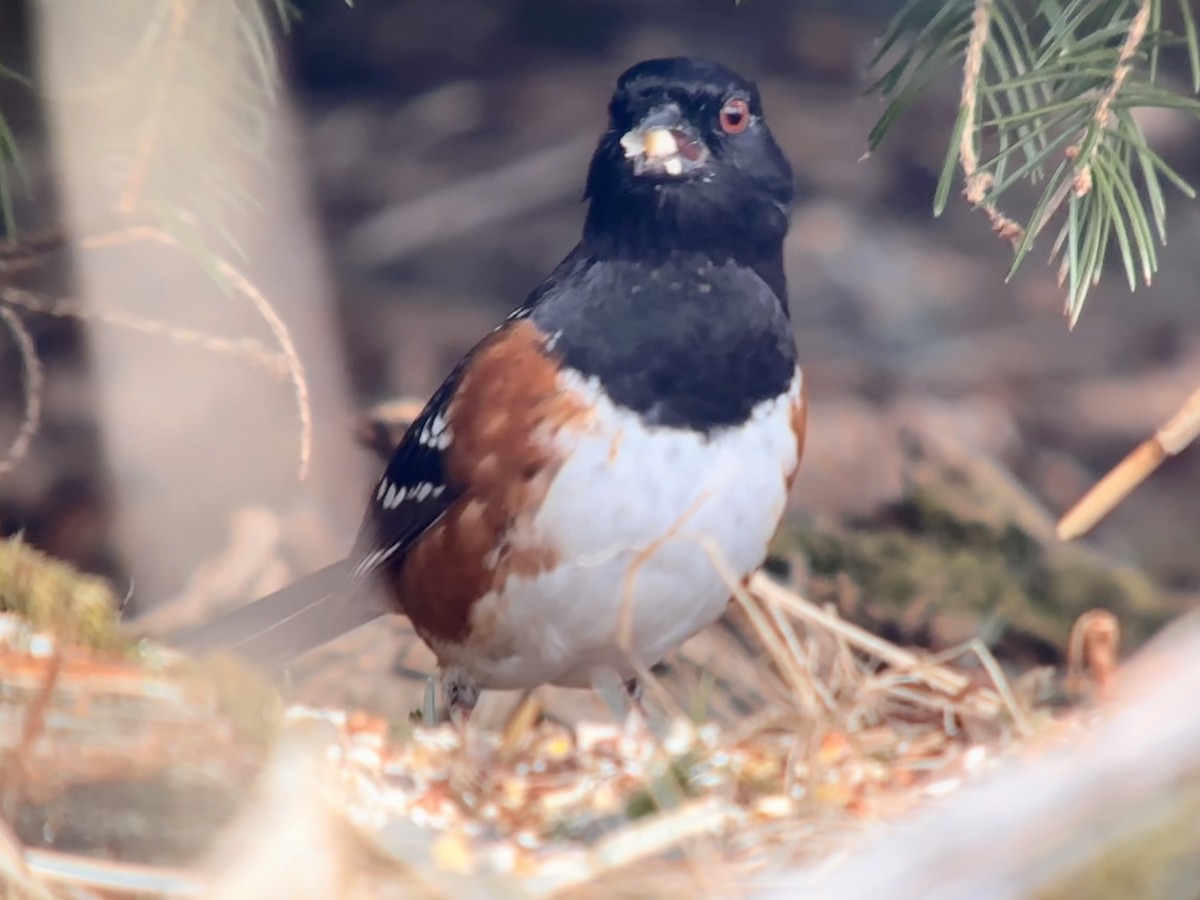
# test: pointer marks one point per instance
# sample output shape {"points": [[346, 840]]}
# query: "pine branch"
{"points": [[201, 95], [10, 162], [32, 367], [1048, 97], [189, 91]]}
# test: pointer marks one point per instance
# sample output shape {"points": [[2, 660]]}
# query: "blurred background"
{"points": [[421, 173]]}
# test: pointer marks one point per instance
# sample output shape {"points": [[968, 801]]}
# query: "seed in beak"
{"points": [[659, 143]]}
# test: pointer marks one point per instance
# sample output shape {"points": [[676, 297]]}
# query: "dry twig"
{"points": [[1092, 652], [1133, 39], [938, 677], [262, 305], [977, 183], [32, 366], [250, 351], [1172, 438]]}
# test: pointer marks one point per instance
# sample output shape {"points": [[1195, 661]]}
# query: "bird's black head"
{"points": [[687, 165]]}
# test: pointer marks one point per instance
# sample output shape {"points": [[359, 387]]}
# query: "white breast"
{"points": [[627, 514]]}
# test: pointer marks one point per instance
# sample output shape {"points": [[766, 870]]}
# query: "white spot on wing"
{"points": [[435, 433], [424, 490]]}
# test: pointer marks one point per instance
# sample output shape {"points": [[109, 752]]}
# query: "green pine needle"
{"points": [[1057, 88]]}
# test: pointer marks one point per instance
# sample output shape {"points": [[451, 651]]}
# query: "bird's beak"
{"points": [[664, 143]]}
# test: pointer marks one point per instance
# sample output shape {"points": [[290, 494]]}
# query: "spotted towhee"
{"points": [[557, 505]]}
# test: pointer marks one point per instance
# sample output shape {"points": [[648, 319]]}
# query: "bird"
{"points": [[582, 487]]}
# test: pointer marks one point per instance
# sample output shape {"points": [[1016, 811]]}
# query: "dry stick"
{"points": [[261, 304], [253, 352], [1170, 439], [520, 722], [32, 366]]}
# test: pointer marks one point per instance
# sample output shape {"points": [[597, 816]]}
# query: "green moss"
{"points": [[966, 541], [53, 596]]}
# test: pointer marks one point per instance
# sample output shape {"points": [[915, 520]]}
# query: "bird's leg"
{"points": [[633, 687], [638, 719], [460, 693]]}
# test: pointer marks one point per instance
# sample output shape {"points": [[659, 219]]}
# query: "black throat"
{"points": [[654, 222], [684, 341], [655, 229]]}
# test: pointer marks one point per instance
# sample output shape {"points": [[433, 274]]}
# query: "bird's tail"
{"points": [[274, 629]]}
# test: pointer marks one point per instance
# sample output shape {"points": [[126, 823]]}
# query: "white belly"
{"points": [[635, 515]]}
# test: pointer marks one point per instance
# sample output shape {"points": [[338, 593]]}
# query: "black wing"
{"points": [[414, 490]]}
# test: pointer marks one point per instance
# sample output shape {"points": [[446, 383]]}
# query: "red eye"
{"points": [[735, 116]]}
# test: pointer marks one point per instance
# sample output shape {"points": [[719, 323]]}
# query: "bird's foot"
{"points": [[460, 693], [637, 722], [633, 687]]}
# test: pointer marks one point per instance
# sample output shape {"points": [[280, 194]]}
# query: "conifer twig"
{"points": [[148, 140], [251, 351], [1048, 97], [262, 305], [979, 183], [33, 375]]}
